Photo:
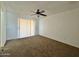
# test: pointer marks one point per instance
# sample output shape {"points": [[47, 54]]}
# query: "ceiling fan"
{"points": [[39, 12]]}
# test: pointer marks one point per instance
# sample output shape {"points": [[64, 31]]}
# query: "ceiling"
{"points": [[51, 7]]}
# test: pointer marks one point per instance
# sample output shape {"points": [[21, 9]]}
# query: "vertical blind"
{"points": [[26, 27]]}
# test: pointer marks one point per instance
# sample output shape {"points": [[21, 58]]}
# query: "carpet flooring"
{"points": [[38, 46]]}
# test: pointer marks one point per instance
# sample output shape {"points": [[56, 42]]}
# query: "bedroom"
{"points": [[24, 32]]}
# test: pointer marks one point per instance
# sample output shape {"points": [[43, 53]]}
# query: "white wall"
{"points": [[63, 27], [12, 25]]}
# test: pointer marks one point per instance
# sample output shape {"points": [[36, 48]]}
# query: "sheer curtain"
{"points": [[26, 27]]}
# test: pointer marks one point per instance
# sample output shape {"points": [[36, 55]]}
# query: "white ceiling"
{"points": [[51, 7]]}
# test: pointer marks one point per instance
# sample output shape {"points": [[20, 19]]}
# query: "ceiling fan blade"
{"points": [[33, 12], [42, 11], [43, 14]]}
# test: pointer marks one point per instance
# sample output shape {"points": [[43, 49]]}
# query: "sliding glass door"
{"points": [[26, 28]]}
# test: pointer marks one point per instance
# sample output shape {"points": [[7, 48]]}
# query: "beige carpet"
{"points": [[37, 46]]}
